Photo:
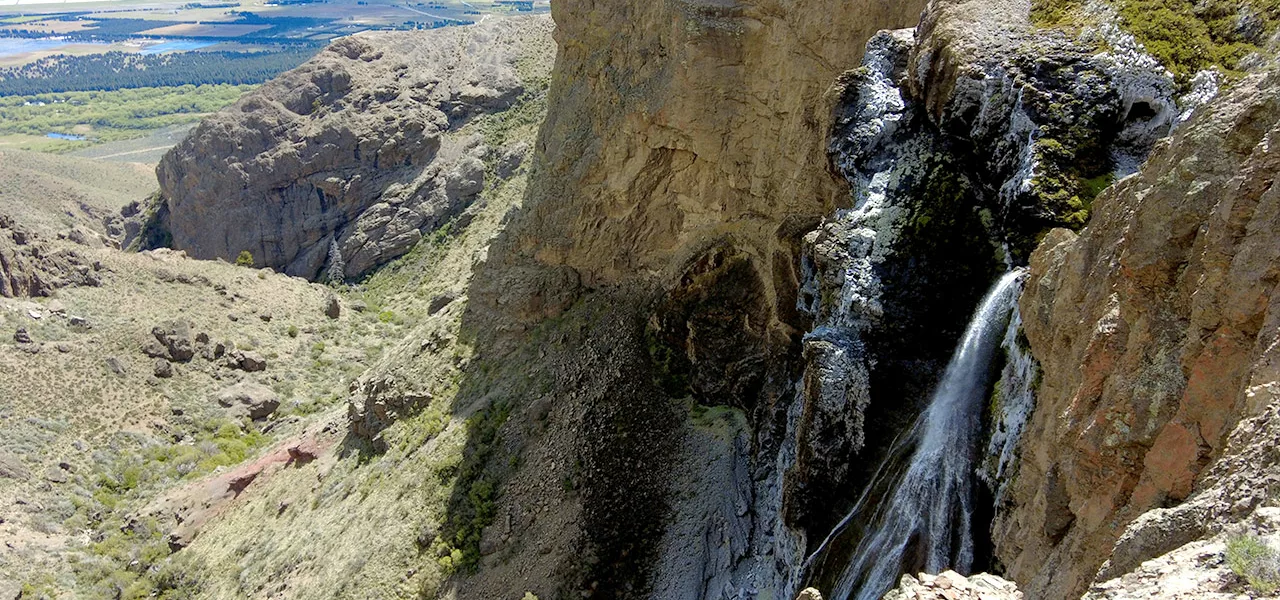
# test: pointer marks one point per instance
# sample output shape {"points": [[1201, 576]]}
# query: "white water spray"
{"points": [[928, 510]]}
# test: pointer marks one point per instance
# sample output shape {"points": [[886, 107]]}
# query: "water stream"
{"points": [[922, 517]]}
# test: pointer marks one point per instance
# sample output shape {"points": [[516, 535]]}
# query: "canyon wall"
{"points": [[1156, 334], [738, 267], [352, 157]]}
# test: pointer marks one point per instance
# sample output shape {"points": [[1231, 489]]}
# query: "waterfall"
{"points": [[923, 519], [1012, 401]]}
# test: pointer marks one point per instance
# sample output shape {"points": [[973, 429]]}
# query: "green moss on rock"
{"points": [[1187, 36]]}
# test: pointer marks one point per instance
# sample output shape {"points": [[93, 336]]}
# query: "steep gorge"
{"points": [[750, 237]]}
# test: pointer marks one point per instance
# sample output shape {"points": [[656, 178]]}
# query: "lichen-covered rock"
{"points": [[247, 399], [1180, 551], [358, 150], [1156, 333]]}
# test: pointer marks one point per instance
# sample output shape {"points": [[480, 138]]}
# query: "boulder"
{"points": [[440, 301], [177, 338], [56, 475], [21, 336], [115, 365], [179, 538], [247, 399], [250, 362], [11, 467], [303, 453], [153, 349], [163, 369]]}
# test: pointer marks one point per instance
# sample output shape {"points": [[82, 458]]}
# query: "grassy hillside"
{"points": [[135, 484], [51, 193]]}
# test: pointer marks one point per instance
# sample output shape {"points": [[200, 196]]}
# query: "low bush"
{"points": [[1255, 561]]}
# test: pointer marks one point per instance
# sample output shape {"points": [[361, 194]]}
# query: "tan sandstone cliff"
{"points": [[678, 125]]}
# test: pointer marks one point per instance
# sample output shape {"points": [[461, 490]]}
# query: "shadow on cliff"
{"points": [[570, 364]]}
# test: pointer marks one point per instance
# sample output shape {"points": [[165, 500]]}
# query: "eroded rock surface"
{"points": [[950, 585], [30, 266], [350, 158], [1156, 329], [247, 399]]}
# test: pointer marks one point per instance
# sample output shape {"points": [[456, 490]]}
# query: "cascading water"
{"points": [[924, 519]]}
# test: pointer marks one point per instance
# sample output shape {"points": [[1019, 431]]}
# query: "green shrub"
{"points": [[245, 259], [1255, 561], [475, 510]]}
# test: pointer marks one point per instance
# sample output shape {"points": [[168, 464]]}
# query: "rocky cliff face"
{"points": [[681, 161], [351, 158], [669, 364], [962, 141], [1156, 334]]}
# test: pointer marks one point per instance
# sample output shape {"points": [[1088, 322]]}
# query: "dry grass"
{"points": [[307, 532], [68, 406], [51, 193]]}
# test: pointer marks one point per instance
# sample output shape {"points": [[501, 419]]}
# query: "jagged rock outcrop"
{"points": [[1181, 551], [1156, 331], [950, 585], [350, 158], [30, 266]]}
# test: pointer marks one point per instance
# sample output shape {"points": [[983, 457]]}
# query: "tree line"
{"points": [[124, 70]]}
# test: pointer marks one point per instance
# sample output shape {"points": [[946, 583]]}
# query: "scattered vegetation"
{"points": [[114, 115], [127, 70], [475, 489], [1187, 36], [245, 259], [126, 558], [1055, 13], [1255, 561], [1071, 176]]}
